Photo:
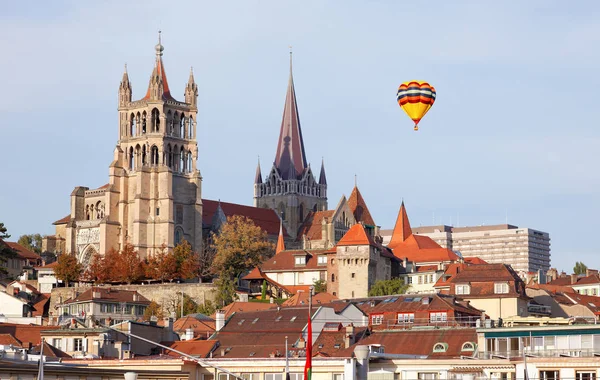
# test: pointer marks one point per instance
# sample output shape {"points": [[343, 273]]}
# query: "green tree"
{"points": [[189, 306], [67, 269], [153, 310], [225, 290], [6, 252], [320, 286], [32, 242], [240, 246], [580, 268], [208, 308], [263, 295], [388, 287]]}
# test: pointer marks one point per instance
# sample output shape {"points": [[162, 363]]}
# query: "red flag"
{"points": [[308, 364]]}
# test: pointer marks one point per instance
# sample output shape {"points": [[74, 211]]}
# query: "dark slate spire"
{"points": [[290, 158], [258, 176], [322, 178]]}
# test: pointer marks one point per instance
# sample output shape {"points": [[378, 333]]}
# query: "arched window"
{"points": [[169, 156], [190, 165], [132, 124], [99, 210], [176, 158], [332, 277], [178, 236], [131, 159], [138, 156], [468, 346], [182, 126], [190, 127], [175, 124], [154, 155], [440, 347], [169, 130], [155, 120], [144, 161], [92, 212], [87, 212], [182, 160], [301, 212], [144, 122]]}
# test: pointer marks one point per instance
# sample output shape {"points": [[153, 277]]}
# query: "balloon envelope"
{"points": [[416, 98]]}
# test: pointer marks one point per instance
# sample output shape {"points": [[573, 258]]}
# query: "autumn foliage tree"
{"points": [[129, 268], [161, 265], [98, 270], [187, 262], [68, 268]]}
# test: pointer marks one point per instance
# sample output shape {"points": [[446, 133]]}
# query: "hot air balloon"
{"points": [[416, 98]]}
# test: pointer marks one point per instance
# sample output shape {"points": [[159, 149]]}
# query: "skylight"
{"points": [[417, 299], [408, 299], [293, 318], [337, 345], [278, 319], [241, 322], [255, 320]]}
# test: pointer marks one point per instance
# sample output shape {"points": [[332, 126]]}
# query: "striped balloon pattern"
{"points": [[416, 98]]}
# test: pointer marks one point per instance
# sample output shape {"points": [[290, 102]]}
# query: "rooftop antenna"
{"points": [[355, 180]]}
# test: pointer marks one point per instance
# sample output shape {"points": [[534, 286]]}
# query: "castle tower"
{"points": [[154, 192], [290, 188]]}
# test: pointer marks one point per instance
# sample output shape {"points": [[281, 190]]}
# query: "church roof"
{"points": [[322, 177], [280, 243], [159, 74], [290, 158], [265, 218], [312, 224], [356, 235], [359, 208], [64, 220], [402, 228]]}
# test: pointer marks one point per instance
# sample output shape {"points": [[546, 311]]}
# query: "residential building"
{"points": [[23, 304], [290, 187], [566, 303], [153, 196], [494, 288], [526, 249], [47, 278], [194, 326], [22, 263], [238, 307], [102, 304], [302, 298]]}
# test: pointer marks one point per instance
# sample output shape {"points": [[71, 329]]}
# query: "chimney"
{"points": [[349, 339], [96, 293], [168, 325], [189, 333], [136, 297], [573, 278], [220, 320], [590, 272], [301, 343], [425, 301]]}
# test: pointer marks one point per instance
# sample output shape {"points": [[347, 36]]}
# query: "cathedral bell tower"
{"points": [[290, 188], [155, 169]]}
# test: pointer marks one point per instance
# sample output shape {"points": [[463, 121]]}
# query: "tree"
{"points": [[205, 260], [388, 287], [129, 267], [6, 252], [67, 269], [186, 261], [32, 242], [225, 290], [320, 286], [580, 268], [263, 295], [98, 271], [240, 246], [208, 308], [153, 310], [161, 265]]}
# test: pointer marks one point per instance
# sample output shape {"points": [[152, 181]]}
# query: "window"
{"points": [[179, 214], [377, 319], [468, 346], [420, 280], [300, 260], [322, 260], [338, 376], [427, 376], [440, 347], [409, 280], [501, 288], [353, 275], [438, 317], [77, 344], [274, 376], [549, 375], [585, 375], [157, 211], [463, 289], [406, 317], [57, 342]]}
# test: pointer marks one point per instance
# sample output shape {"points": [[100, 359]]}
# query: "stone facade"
{"points": [[154, 192]]}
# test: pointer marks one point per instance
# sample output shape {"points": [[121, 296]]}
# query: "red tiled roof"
{"points": [[427, 268], [402, 228], [561, 281], [414, 303], [41, 306], [312, 224], [356, 235], [587, 280], [239, 307], [23, 252], [451, 270], [255, 274], [264, 218], [294, 289], [359, 208], [64, 220], [474, 260], [198, 348], [285, 261], [108, 294], [333, 343], [51, 351], [25, 333], [482, 278], [591, 302], [159, 70], [301, 298], [51, 265], [201, 328], [8, 339]]}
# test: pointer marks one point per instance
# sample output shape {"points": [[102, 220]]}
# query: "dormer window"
{"points": [[440, 347], [463, 289], [322, 260], [300, 260], [501, 288], [468, 346]]}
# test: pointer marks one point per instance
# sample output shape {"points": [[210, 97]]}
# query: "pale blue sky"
{"points": [[514, 130]]}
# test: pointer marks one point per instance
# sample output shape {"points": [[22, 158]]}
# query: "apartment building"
{"points": [[525, 249]]}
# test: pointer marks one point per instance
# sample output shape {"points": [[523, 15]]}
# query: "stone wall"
{"points": [[165, 295]]}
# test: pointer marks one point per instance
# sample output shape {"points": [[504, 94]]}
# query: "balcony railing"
{"points": [[426, 324], [575, 353]]}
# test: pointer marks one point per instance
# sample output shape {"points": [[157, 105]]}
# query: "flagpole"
{"points": [[287, 363], [41, 368]]}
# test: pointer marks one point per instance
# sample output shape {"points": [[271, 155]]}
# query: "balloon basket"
{"points": [[416, 128]]}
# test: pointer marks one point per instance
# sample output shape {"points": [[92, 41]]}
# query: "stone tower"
{"points": [[290, 188], [154, 192]]}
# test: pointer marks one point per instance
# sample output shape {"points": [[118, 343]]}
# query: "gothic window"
{"points": [[144, 161], [154, 155], [179, 214], [182, 126], [99, 210], [131, 161], [190, 127], [301, 212], [189, 165], [155, 120], [282, 211], [182, 161], [87, 212], [176, 158], [144, 122], [178, 236], [169, 130], [132, 125], [169, 156], [174, 124]]}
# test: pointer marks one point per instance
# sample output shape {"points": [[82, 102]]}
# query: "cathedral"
{"points": [[153, 196]]}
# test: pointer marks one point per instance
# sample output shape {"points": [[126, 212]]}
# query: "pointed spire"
{"points": [[359, 208], [158, 88], [191, 90], [290, 148], [258, 176], [280, 243], [322, 177], [125, 89], [402, 230]]}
